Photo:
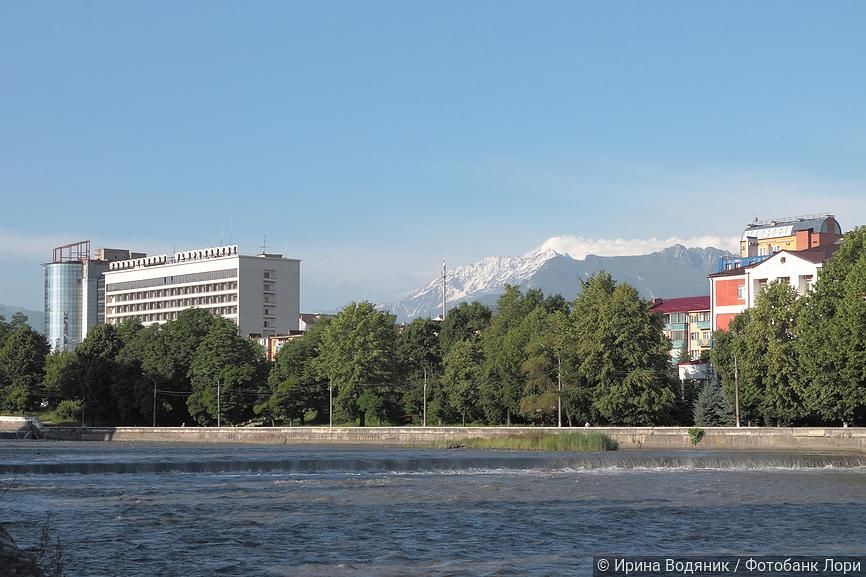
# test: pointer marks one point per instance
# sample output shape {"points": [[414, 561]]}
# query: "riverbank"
{"points": [[832, 439]]}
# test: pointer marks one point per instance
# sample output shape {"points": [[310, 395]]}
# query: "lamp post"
{"points": [[424, 404], [425, 396], [219, 424], [559, 387], [152, 380], [219, 415], [330, 404]]}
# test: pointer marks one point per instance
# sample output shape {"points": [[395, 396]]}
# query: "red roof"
{"points": [[681, 305]]}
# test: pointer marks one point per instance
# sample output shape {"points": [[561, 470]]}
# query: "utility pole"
{"points": [[737, 390], [330, 404], [444, 288], [152, 380], [559, 386], [219, 424], [425, 396]]}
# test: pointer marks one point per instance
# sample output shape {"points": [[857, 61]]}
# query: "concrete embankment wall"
{"points": [[849, 440]]}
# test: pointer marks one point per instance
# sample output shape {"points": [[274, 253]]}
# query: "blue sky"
{"points": [[371, 139]]}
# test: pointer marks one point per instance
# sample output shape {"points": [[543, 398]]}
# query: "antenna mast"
{"points": [[444, 288]]}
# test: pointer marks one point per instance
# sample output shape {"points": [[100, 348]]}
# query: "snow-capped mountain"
{"points": [[673, 272]]}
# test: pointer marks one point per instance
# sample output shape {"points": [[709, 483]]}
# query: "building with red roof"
{"points": [[735, 290], [687, 323]]}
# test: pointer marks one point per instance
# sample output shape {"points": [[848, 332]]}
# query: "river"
{"points": [[130, 510]]}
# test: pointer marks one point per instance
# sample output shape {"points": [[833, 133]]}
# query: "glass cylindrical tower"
{"points": [[63, 303]]}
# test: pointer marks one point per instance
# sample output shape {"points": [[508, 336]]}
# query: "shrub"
{"points": [[695, 435]]}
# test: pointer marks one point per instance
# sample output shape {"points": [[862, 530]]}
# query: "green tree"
{"points": [[623, 355], [60, 377], [730, 356], [465, 321], [772, 367], [418, 352], [94, 369], [22, 366], [230, 366], [357, 354], [504, 345], [460, 379], [163, 354], [712, 407], [830, 340], [543, 367], [295, 387]]}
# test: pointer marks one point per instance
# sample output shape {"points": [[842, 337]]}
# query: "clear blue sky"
{"points": [[374, 138]]}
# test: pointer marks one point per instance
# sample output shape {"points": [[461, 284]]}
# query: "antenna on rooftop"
{"points": [[265, 244], [444, 288]]}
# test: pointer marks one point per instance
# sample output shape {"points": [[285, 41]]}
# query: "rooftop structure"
{"points": [[75, 291], [766, 237]]}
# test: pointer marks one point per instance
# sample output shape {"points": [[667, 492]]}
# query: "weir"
{"points": [[377, 461], [827, 439]]}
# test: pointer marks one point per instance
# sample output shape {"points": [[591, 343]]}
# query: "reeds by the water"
{"points": [[590, 441]]}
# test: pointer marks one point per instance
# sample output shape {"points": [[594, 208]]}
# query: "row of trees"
{"points": [[802, 360], [22, 364], [602, 358]]}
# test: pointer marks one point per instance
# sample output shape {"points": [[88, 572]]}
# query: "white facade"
{"points": [[800, 273], [784, 266], [261, 294]]}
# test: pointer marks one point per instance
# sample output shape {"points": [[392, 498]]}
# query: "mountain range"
{"points": [[673, 272], [34, 318]]}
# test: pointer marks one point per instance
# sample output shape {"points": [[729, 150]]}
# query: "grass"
{"points": [[591, 441]]}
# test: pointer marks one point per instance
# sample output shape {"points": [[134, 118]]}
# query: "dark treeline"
{"points": [[802, 360], [605, 350]]}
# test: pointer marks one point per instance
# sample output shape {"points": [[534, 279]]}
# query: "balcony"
{"points": [[732, 262], [701, 325]]}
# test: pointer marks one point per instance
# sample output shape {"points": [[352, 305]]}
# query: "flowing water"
{"points": [[130, 510]]}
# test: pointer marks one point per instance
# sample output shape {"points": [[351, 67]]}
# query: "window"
{"points": [[741, 292], [784, 279]]}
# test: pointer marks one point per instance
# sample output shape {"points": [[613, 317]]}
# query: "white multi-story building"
{"points": [[734, 290], [261, 293]]}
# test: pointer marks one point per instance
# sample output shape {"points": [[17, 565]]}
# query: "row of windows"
{"points": [[172, 316], [172, 292], [172, 304], [170, 280]]}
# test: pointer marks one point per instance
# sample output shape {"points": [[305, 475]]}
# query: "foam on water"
{"points": [[358, 511]]}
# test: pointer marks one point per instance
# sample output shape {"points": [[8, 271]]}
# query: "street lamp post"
{"points": [[559, 387], [152, 380], [425, 396], [330, 404], [424, 404], [219, 423]]}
